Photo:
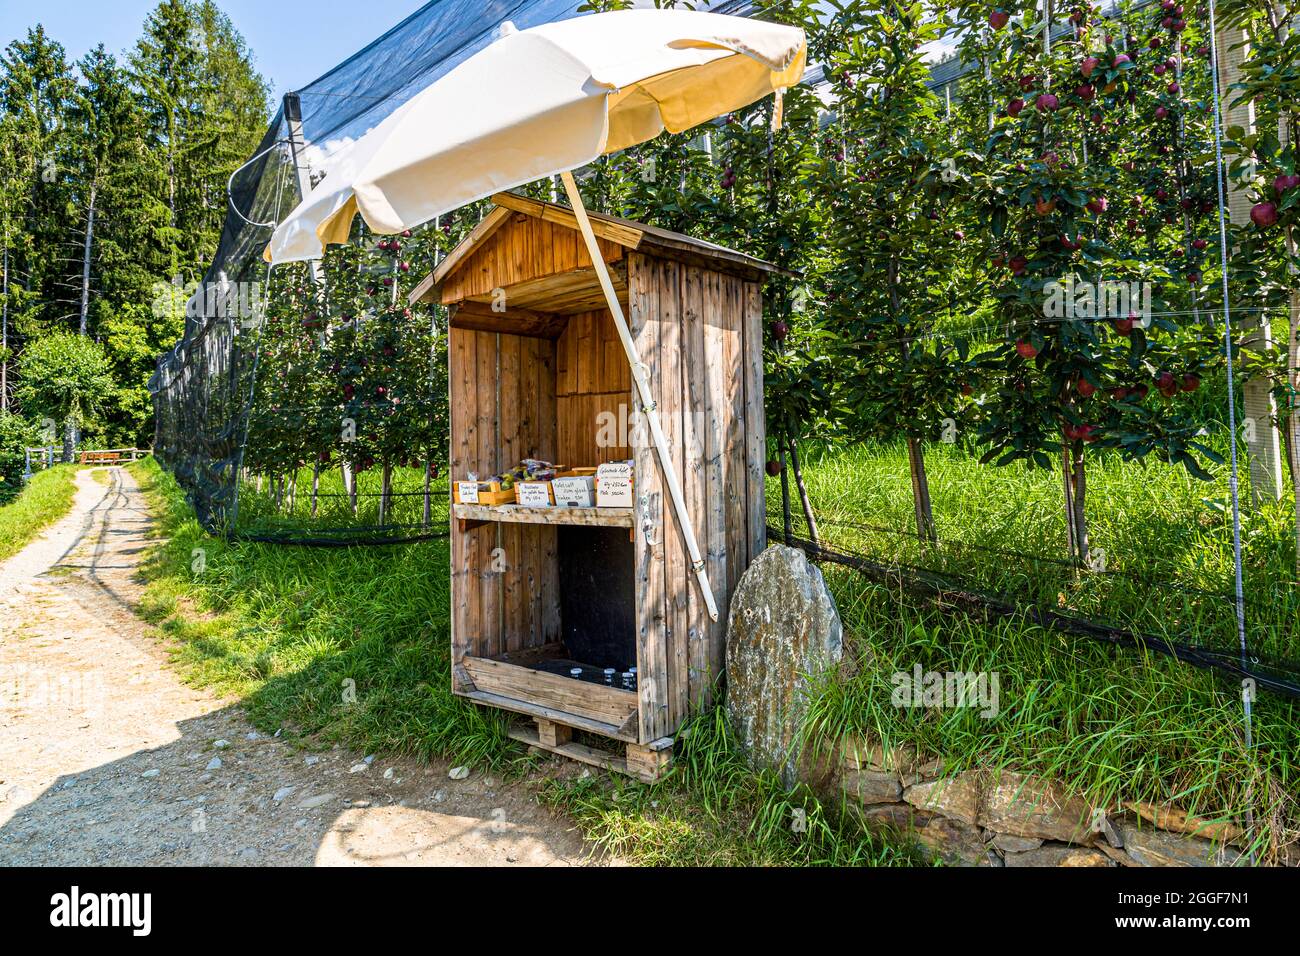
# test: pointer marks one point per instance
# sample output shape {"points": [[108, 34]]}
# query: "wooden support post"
{"points": [[647, 763], [552, 735]]}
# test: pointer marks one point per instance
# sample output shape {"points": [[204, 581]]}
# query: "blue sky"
{"points": [[294, 41]]}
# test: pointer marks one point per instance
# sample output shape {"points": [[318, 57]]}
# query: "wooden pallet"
{"points": [[646, 763]]}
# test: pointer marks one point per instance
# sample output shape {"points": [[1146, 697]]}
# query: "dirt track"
{"points": [[107, 758]]}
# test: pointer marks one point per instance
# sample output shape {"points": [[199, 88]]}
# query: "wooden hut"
{"points": [[545, 599]]}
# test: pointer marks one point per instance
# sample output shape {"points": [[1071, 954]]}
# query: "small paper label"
{"points": [[573, 492], [534, 494], [614, 469], [614, 493], [468, 491]]}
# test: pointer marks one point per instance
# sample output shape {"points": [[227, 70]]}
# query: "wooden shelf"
{"points": [[598, 517]]}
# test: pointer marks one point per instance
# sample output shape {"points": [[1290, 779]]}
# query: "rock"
{"points": [[300, 824], [1171, 818], [359, 768], [252, 735], [213, 764], [1151, 847], [311, 803], [388, 774], [896, 816], [1025, 806], [282, 793], [1015, 844], [952, 841], [872, 786], [369, 759], [458, 773], [957, 797], [150, 774], [311, 760], [221, 744], [1058, 855], [783, 635], [1116, 854]]}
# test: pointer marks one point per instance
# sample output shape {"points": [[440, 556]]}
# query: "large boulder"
{"points": [[783, 635]]}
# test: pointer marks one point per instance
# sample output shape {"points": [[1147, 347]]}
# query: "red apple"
{"points": [[1264, 214], [1047, 102], [1019, 265], [1120, 60], [1097, 206], [773, 467], [1199, 243], [1014, 107], [1191, 382], [1089, 64], [1123, 326], [1086, 92], [1045, 207], [1025, 349], [999, 19], [1085, 388], [780, 330]]}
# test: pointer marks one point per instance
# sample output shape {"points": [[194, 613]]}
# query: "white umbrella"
{"points": [[539, 102]]}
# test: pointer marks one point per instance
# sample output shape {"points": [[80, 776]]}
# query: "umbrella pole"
{"points": [[643, 392]]}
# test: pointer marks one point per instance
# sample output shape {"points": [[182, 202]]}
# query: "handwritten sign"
{"points": [[534, 494], [468, 491], [574, 492]]}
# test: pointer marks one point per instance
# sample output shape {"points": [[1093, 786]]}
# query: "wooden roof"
{"points": [[623, 232]]}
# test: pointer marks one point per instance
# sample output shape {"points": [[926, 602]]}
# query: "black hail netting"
{"points": [[203, 388]]}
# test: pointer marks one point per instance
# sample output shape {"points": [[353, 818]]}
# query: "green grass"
{"points": [[284, 628], [45, 499], [1117, 724], [292, 631]]}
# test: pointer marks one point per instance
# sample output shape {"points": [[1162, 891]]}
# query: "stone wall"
{"points": [[986, 818]]}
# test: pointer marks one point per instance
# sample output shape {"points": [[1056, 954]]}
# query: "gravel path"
{"points": [[107, 758]]}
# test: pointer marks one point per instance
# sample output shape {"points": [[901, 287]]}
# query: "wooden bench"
{"points": [[99, 457]]}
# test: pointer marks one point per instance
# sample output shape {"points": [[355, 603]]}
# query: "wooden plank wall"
{"points": [[700, 333], [593, 379], [502, 392], [522, 249]]}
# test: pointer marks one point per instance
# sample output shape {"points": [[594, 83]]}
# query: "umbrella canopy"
{"points": [[536, 103]]}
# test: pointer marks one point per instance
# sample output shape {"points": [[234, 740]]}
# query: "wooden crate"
{"points": [[548, 379]]}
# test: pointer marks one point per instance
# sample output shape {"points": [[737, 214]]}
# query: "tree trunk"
{"points": [[1076, 500], [813, 535], [70, 439], [785, 495], [1293, 422], [428, 477], [85, 260], [1067, 490], [349, 485], [315, 487], [925, 528], [385, 491], [4, 332]]}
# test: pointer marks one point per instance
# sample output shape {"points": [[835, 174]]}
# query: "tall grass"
{"points": [[44, 500], [342, 644], [1117, 724]]}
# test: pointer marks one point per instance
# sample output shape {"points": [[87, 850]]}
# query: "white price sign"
{"points": [[534, 494]]}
